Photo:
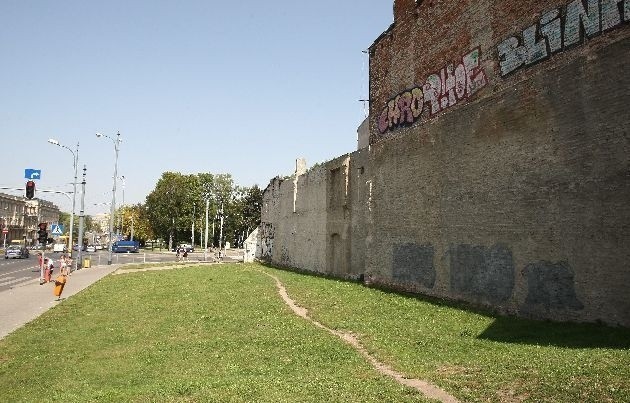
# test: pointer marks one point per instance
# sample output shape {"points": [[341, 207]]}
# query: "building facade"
{"points": [[498, 164], [21, 216]]}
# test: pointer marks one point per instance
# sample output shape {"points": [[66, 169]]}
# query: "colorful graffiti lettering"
{"points": [[440, 91], [556, 31]]}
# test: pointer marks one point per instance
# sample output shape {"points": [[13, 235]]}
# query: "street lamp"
{"points": [[113, 206], [75, 156], [121, 220]]}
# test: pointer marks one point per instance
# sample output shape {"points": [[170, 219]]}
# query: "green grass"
{"points": [[475, 356], [221, 333]]}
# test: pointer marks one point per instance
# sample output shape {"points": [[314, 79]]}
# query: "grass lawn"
{"points": [[221, 333]]}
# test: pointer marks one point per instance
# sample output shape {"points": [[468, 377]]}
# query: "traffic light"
{"points": [[42, 235], [30, 189]]}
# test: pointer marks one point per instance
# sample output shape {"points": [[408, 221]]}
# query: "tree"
{"points": [[167, 205], [176, 208], [135, 218]]}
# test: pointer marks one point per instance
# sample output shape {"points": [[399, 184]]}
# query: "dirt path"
{"points": [[429, 390]]}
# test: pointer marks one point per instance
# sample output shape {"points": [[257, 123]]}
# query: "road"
{"points": [[18, 272]]}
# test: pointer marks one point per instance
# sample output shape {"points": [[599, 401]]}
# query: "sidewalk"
{"points": [[22, 304]]}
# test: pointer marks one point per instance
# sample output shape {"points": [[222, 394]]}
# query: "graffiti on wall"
{"points": [[266, 236], [440, 91], [559, 29]]}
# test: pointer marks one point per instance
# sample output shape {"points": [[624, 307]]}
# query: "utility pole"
{"points": [[205, 246], [193, 227], [221, 232], [81, 223]]}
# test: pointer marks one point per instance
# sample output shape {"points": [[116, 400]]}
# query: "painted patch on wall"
{"points": [[451, 85], [560, 29], [550, 285], [412, 263], [482, 272]]}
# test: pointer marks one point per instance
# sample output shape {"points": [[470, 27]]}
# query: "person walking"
{"points": [[48, 269], [62, 279]]}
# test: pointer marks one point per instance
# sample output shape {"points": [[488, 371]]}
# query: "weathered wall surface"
{"points": [[499, 166]]}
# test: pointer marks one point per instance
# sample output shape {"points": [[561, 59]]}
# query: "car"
{"points": [[90, 248], [16, 252], [184, 247], [98, 246], [60, 247]]}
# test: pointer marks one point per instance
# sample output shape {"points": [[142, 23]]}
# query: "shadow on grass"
{"points": [[567, 335], [510, 329]]}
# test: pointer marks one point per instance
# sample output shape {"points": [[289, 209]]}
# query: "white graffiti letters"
{"points": [[556, 31]]}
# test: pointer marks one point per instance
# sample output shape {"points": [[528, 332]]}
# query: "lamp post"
{"points": [[75, 156], [113, 206], [5, 229], [121, 219]]}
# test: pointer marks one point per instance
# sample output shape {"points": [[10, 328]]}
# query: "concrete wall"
{"points": [[498, 170]]}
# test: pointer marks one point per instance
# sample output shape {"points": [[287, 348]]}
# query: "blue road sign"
{"points": [[56, 229], [32, 173]]}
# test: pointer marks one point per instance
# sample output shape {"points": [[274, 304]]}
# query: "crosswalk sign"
{"points": [[56, 229]]}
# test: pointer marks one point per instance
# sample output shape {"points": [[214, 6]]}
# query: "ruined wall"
{"points": [[498, 170]]}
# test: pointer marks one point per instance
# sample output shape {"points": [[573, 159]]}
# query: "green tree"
{"points": [[176, 208], [134, 218], [169, 206]]}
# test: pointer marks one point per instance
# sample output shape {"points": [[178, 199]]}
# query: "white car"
{"points": [[90, 248]]}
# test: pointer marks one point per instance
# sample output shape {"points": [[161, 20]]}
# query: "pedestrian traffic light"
{"points": [[30, 189], [42, 236]]}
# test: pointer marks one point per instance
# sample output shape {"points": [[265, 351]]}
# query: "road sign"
{"points": [[56, 229], [32, 173]]}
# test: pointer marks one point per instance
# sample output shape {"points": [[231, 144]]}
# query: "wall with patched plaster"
{"points": [[498, 170]]}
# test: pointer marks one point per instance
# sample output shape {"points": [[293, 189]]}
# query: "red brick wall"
{"points": [[429, 35]]}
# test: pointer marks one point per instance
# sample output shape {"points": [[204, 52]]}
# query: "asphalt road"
{"points": [[18, 272]]}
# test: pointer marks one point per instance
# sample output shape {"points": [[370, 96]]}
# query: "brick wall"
{"points": [[499, 168]]}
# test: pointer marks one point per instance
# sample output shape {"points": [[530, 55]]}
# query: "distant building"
{"points": [[21, 216]]}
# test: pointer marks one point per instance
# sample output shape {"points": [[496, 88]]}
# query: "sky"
{"points": [[238, 87]]}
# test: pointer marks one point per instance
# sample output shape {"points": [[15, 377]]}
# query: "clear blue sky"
{"points": [[240, 87]]}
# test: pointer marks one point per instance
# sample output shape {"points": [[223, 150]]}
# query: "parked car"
{"points": [[60, 247], [98, 246], [184, 247], [16, 252], [90, 248]]}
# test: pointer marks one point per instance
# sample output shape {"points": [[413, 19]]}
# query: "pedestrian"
{"points": [[64, 263], [177, 254], [48, 269], [61, 280], [41, 268], [185, 255]]}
